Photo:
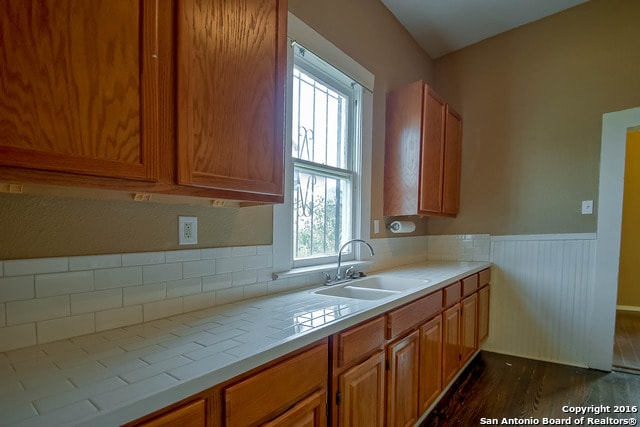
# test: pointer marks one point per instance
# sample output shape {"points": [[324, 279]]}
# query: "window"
{"points": [[328, 156], [325, 157]]}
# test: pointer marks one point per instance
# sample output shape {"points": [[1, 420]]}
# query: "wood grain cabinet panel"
{"points": [[484, 296], [231, 69], [362, 394], [468, 327], [412, 314], [402, 381], [269, 393], [309, 412], [423, 140], [189, 415], [80, 86], [452, 162], [356, 343], [430, 362], [450, 343]]}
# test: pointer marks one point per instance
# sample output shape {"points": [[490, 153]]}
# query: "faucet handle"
{"points": [[350, 271], [327, 277]]}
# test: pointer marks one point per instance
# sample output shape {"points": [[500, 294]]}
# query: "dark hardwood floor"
{"points": [[496, 386], [626, 348]]}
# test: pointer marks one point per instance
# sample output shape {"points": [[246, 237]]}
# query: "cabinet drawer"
{"points": [[452, 294], [189, 415], [485, 277], [469, 285], [360, 340], [270, 392], [413, 314]]}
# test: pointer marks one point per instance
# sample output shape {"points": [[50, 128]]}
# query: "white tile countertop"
{"points": [[116, 376]]}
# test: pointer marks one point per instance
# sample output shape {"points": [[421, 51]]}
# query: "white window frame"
{"points": [[309, 63], [300, 33]]}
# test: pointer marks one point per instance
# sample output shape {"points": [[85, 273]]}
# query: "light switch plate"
{"points": [[587, 207]]}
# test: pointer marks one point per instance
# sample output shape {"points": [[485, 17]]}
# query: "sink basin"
{"points": [[348, 291], [372, 287], [388, 283]]}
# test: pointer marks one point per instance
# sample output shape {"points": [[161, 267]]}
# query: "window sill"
{"points": [[322, 268]]}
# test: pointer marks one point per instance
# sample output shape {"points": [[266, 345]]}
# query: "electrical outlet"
{"points": [[587, 207], [187, 230]]}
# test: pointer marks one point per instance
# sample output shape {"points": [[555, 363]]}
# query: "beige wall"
{"points": [[36, 226], [42, 226], [532, 100], [628, 284]]}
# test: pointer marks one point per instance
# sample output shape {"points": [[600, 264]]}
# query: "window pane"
{"points": [[319, 122], [322, 213]]}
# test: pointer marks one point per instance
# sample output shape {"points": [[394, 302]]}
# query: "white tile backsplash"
{"points": [[94, 262], [228, 265], [48, 285], [141, 294], [17, 288], [118, 317], [67, 327], [12, 337], [51, 298], [23, 267], [37, 309], [90, 302]]}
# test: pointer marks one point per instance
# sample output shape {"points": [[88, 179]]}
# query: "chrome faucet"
{"points": [[338, 274]]}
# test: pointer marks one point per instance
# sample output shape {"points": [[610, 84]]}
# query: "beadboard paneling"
{"points": [[541, 295]]}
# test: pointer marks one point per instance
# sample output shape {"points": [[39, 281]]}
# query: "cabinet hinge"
{"points": [[338, 397]]}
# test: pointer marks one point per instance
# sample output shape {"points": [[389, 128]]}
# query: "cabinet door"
{"points": [[468, 327], [403, 141], [264, 395], [402, 381], [190, 415], [361, 391], [310, 412], [431, 156], [430, 362], [451, 167], [231, 69], [483, 314], [451, 343], [80, 86]]}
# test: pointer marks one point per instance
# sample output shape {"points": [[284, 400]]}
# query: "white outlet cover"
{"points": [[187, 230]]}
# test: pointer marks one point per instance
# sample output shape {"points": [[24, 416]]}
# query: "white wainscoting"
{"points": [[541, 296]]}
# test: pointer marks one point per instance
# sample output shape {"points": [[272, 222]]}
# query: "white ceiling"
{"points": [[443, 26]]}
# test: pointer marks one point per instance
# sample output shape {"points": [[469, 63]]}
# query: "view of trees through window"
{"points": [[323, 166]]}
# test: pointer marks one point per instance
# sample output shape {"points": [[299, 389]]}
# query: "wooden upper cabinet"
{"points": [[451, 162], [422, 153], [432, 157], [231, 71], [79, 87]]}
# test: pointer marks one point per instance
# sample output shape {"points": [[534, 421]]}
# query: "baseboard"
{"points": [[627, 308]]}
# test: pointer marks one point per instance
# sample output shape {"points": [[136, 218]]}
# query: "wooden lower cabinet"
{"points": [[310, 412], [403, 380], [484, 295], [468, 327], [361, 393], [189, 415], [268, 394], [386, 371], [450, 343], [430, 362]]}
